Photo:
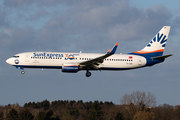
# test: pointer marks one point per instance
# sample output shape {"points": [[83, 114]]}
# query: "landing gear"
{"points": [[88, 74], [22, 72]]}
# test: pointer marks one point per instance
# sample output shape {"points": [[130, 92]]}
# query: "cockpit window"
{"points": [[16, 56]]}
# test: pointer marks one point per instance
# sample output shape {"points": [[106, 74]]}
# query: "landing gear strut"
{"points": [[22, 72], [88, 74]]}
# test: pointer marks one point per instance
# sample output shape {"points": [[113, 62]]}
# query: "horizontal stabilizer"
{"points": [[162, 57]]}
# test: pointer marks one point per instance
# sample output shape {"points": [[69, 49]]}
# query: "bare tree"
{"points": [[138, 101]]}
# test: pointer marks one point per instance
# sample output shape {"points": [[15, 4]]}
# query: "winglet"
{"points": [[109, 51], [114, 48]]}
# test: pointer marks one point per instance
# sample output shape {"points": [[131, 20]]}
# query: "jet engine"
{"points": [[70, 68]]}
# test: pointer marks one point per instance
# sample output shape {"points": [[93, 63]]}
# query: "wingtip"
{"points": [[113, 50], [117, 44]]}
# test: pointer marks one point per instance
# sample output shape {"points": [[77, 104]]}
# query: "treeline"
{"points": [[79, 110]]}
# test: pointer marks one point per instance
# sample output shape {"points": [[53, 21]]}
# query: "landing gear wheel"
{"points": [[88, 74], [22, 72]]}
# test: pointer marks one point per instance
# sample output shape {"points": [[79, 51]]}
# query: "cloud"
{"points": [[142, 26], [81, 24], [20, 3], [104, 15], [17, 39], [3, 15]]}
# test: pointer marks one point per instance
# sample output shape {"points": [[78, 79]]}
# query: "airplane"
{"points": [[150, 55]]}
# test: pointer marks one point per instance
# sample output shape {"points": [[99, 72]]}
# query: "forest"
{"points": [[135, 106]]}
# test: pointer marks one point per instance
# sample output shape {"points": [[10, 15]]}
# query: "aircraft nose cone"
{"points": [[9, 61]]}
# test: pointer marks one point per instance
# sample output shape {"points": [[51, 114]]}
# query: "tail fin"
{"points": [[158, 43]]}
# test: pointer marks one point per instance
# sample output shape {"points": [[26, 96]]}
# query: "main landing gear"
{"points": [[88, 74]]}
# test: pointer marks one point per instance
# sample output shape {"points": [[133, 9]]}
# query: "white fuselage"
{"points": [[57, 59]]}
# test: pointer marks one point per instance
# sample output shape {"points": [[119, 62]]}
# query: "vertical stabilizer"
{"points": [[158, 43]]}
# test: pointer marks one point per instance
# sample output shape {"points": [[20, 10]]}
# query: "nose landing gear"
{"points": [[22, 72]]}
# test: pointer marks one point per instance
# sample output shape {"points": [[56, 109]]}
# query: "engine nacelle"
{"points": [[70, 68]]}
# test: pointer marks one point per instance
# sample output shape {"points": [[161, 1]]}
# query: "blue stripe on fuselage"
{"points": [[60, 67], [28, 66], [149, 56]]}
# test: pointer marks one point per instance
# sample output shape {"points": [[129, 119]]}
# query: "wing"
{"points": [[96, 61]]}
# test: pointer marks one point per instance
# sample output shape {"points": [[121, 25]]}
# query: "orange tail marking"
{"points": [[117, 44], [144, 52], [109, 50]]}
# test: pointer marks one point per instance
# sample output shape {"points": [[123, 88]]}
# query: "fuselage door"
{"points": [[27, 58], [139, 61]]}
